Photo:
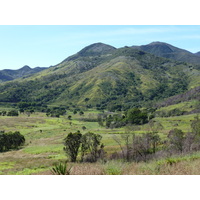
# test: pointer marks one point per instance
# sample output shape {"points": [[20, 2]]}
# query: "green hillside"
{"points": [[94, 93], [104, 77]]}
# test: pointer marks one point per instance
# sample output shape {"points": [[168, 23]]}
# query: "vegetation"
{"points": [[61, 169], [11, 140], [88, 143], [105, 110], [116, 81], [72, 143]]}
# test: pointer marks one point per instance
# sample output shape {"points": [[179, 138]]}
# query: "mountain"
{"points": [[168, 51], [104, 77], [96, 49], [197, 54], [8, 74]]}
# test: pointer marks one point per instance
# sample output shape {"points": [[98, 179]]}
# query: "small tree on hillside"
{"points": [[136, 116], [81, 113]]}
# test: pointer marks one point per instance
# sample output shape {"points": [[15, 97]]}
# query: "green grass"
{"points": [[29, 171], [181, 122], [54, 148], [44, 141], [6, 165], [183, 106]]}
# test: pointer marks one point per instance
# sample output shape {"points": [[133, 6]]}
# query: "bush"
{"points": [[11, 140], [13, 113]]}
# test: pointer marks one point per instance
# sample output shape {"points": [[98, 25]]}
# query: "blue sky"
{"points": [[40, 45]]}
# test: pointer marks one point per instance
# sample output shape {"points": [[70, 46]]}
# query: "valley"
{"points": [[121, 95]]}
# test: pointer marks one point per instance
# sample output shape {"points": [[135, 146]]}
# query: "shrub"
{"points": [[61, 169], [11, 140], [112, 168], [13, 113]]}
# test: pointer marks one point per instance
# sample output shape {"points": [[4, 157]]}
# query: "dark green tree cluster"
{"points": [[133, 116], [55, 111], [89, 145], [31, 107], [13, 113], [136, 116], [9, 113], [3, 113], [11, 140]]}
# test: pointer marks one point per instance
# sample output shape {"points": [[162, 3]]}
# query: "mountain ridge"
{"points": [[166, 50], [198, 53], [9, 74], [105, 77]]}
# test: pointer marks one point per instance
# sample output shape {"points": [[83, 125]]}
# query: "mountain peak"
{"points": [[96, 48], [25, 67], [158, 43]]}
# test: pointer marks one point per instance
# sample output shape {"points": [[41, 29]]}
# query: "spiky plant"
{"points": [[61, 169]]}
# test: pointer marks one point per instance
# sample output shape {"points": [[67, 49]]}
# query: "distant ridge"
{"points": [[9, 74], [165, 50], [198, 53]]}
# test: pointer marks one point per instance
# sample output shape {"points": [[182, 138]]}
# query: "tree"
{"points": [[81, 113], [100, 120], [11, 140], [13, 113], [75, 112], [195, 125], [136, 116], [83, 127], [72, 143], [176, 139], [90, 143]]}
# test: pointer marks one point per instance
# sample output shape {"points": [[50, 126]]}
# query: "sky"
{"points": [[46, 45]]}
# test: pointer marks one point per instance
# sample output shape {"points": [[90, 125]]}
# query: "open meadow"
{"points": [[44, 146]]}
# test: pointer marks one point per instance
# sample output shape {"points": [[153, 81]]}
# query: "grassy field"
{"points": [[44, 146]]}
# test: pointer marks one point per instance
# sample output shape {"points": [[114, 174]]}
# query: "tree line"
{"points": [[134, 147], [150, 145], [133, 116]]}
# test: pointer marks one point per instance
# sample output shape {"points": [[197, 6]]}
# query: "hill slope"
{"points": [[104, 77], [8, 74], [197, 54], [168, 51]]}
